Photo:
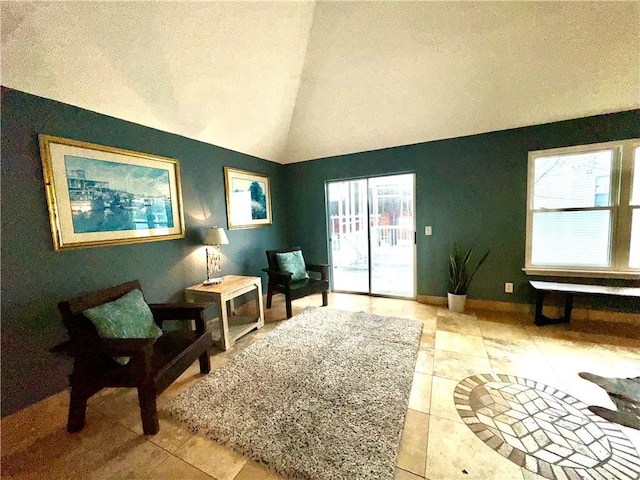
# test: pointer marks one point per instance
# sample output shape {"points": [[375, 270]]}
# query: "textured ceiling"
{"points": [[293, 81]]}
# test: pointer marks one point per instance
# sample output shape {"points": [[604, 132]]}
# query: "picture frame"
{"points": [[99, 195], [248, 196]]}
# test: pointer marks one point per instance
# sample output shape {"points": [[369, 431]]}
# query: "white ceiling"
{"points": [[293, 81]]}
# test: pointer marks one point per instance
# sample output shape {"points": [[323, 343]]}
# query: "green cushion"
{"points": [[293, 262], [127, 317]]}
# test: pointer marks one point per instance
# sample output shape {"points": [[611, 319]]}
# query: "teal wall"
{"points": [[35, 277], [471, 190]]}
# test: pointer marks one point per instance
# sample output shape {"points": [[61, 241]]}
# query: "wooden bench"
{"points": [[569, 290]]}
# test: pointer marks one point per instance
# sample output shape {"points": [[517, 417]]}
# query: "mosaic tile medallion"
{"points": [[544, 430]]}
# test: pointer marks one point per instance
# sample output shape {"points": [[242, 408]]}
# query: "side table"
{"points": [[232, 326]]}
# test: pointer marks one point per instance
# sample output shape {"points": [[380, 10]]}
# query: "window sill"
{"points": [[581, 273]]}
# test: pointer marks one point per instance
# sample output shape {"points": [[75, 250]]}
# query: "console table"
{"points": [[232, 326]]}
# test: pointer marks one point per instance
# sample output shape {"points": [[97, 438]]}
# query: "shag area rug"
{"points": [[322, 396]]}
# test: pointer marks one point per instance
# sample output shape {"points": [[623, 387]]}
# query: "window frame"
{"points": [[620, 206]]}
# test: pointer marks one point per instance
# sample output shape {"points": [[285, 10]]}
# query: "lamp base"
{"points": [[213, 281]]}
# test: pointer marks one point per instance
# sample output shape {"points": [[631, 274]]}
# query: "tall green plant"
{"points": [[460, 273]]}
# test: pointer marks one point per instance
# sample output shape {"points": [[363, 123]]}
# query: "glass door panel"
{"points": [[371, 231], [349, 235], [392, 235]]}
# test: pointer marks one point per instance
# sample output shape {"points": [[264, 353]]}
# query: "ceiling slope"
{"points": [[225, 73], [382, 74], [293, 81]]}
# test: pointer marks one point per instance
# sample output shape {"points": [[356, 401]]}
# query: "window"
{"points": [[583, 210]]}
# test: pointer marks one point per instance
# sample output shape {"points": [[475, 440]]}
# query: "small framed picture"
{"points": [[248, 199], [99, 195]]}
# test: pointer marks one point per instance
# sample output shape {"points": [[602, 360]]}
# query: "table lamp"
{"points": [[214, 238]]}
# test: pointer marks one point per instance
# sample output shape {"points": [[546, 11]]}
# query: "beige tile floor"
{"points": [[435, 443]]}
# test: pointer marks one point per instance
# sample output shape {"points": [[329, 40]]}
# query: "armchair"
{"points": [[280, 281], [153, 363]]}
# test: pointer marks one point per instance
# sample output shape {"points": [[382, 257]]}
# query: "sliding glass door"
{"points": [[372, 235]]}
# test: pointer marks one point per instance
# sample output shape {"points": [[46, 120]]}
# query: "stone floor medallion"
{"points": [[544, 429]]}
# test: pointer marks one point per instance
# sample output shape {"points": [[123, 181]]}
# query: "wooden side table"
{"points": [[232, 326]]}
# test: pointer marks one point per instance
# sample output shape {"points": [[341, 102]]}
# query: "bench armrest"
{"points": [[278, 273], [279, 276], [109, 346], [126, 346], [179, 311], [322, 268]]}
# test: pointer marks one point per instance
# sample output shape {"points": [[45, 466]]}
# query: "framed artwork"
{"points": [[248, 199], [99, 195]]}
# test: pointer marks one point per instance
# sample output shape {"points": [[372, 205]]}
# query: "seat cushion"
{"points": [[127, 317], [293, 262]]}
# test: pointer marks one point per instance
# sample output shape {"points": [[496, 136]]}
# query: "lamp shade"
{"points": [[216, 236]]}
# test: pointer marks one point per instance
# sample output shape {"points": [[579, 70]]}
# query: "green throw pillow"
{"points": [[127, 317], [293, 262]]}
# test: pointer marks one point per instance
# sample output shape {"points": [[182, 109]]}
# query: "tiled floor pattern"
{"points": [[543, 429], [436, 443]]}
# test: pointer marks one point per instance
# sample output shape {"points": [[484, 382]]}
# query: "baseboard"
{"points": [[622, 324], [481, 304]]}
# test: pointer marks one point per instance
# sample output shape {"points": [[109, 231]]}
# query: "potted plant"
{"points": [[460, 276]]}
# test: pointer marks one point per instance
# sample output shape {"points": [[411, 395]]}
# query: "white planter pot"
{"points": [[456, 302]]}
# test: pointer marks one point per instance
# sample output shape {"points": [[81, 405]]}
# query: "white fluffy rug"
{"points": [[323, 396]]}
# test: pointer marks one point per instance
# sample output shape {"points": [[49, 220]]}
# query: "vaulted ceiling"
{"points": [[293, 81]]}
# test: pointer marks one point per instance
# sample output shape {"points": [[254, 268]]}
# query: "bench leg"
{"points": [[325, 299], [568, 305], [269, 295], [205, 362], [148, 410], [288, 304], [77, 410], [82, 389], [541, 320]]}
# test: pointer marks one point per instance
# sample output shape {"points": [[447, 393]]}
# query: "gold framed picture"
{"points": [[248, 197], [99, 195]]}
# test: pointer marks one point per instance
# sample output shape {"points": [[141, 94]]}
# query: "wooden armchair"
{"points": [[154, 363], [280, 281]]}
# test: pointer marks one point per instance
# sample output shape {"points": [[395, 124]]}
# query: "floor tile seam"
{"points": [[457, 353], [525, 339], [410, 472], [540, 351], [484, 347], [182, 460], [496, 338], [460, 422], [458, 332], [518, 355], [561, 385], [426, 457], [559, 373], [495, 372], [178, 447]]}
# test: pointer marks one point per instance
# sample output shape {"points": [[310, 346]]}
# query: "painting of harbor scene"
{"points": [[99, 195], [108, 196]]}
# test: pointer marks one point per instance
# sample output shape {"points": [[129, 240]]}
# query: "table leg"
{"points": [[225, 341], [259, 305]]}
